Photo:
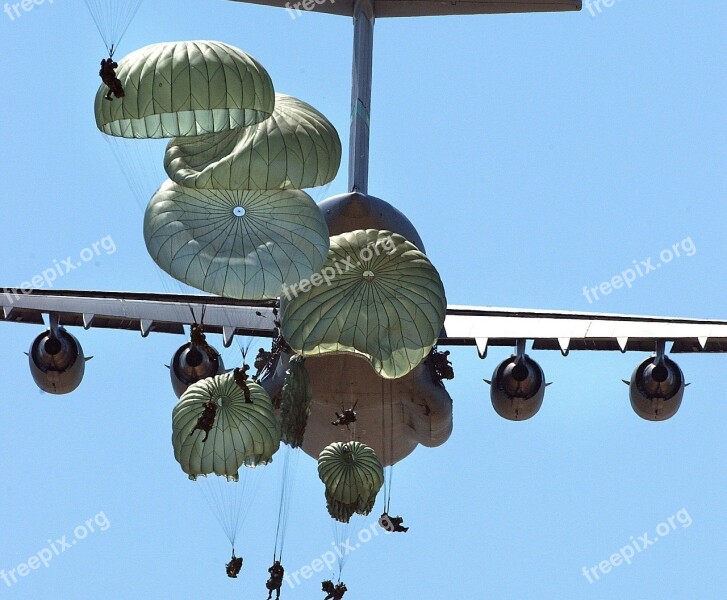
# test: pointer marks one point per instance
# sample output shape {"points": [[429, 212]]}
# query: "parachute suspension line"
{"points": [[321, 192], [341, 536], [245, 351], [112, 19], [230, 501], [215, 498], [140, 164], [353, 433], [387, 443], [129, 168], [290, 469]]}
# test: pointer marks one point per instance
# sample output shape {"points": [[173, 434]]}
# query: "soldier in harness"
{"points": [[108, 76], [199, 339], [277, 573], [234, 567], [440, 367], [206, 420], [335, 592], [241, 380], [392, 524]]}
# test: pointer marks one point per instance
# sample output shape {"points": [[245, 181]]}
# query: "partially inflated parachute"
{"points": [[296, 148], [295, 404], [186, 89], [243, 433], [382, 298], [238, 244], [353, 476]]}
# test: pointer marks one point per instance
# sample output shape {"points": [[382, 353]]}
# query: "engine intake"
{"points": [[656, 389], [191, 364], [57, 363], [517, 388]]}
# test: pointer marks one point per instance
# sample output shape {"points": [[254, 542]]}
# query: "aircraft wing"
{"points": [[566, 330], [424, 8], [149, 312], [482, 327]]}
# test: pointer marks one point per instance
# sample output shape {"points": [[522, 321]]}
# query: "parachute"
{"points": [[353, 476], [186, 89], [296, 148], [295, 404], [237, 244], [243, 433], [385, 301]]}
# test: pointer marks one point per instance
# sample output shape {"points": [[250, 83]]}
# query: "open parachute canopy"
{"points": [[353, 476], [243, 433], [239, 244], [296, 148], [382, 298], [186, 89]]}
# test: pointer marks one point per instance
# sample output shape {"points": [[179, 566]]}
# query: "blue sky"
{"points": [[536, 154]]}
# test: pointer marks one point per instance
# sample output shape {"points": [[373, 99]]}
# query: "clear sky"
{"points": [[536, 154]]}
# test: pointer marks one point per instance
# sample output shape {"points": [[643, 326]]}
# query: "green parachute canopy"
{"points": [[295, 404], [296, 148], [186, 89], [238, 244], [243, 433], [353, 476], [377, 295]]}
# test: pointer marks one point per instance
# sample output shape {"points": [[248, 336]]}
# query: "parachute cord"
{"points": [[97, 21], [383, 440], [387, 443], [129, 19], [391, 442], [279, 551], [340, 534], [112, 19], [290, 470]]}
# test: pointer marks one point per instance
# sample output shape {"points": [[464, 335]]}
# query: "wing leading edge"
{"points": [[464, 326], [423, 8]]}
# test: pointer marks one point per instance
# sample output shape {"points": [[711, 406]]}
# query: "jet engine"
{"points": [[191, 364], [517, 388], [57, 362], [656, 388]]}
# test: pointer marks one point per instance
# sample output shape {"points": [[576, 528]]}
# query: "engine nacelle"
{"points": [[517, 388], [57, 363], [191, 364], [657, 389]]}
